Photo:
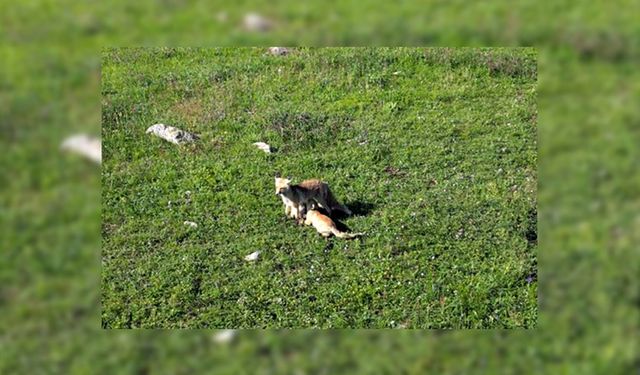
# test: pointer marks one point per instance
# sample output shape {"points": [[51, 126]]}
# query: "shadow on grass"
{"points": [[359, 208], [341, 226]]}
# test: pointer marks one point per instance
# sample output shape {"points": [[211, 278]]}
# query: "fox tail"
{"points": [[345, 235]]}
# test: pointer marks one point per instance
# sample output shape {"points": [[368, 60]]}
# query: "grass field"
{"points": [[435, 150]]}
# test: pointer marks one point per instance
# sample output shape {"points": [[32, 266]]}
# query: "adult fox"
{"points": [[301, 197]]}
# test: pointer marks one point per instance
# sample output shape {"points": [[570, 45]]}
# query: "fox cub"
{"points": [[299, 198], [325, 226]]}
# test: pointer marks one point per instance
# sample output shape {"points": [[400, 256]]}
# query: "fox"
{"points": [[303, 196], [325, 226], [290, 209]]}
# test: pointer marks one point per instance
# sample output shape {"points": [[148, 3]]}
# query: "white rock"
{"points": [[85, 145], [191, 224], [263, 146], [171, 134], [256, 22], [224, 336], [252, 257], [278, 51]]}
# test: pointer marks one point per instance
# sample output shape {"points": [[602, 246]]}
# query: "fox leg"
{"points": [[301, 217], [323, 203], [294, 212], [302, 210], [287, 210]]}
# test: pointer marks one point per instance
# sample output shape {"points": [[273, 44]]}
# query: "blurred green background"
{"points": [[588, 190]]}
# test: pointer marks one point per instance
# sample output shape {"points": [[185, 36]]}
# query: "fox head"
{"points": [[282, 185]]}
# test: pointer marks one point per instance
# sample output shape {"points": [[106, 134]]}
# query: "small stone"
{"points": [[252, 257], [191, 224], [263, 146], [171, 134], [278, 51]]}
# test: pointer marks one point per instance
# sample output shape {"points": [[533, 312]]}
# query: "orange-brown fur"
{"points": [[325, 226], [298, 198]]}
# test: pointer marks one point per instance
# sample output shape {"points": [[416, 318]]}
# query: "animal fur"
{"points": [[325, 226], [303, 196]]}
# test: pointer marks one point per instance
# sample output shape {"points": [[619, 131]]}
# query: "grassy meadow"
{"points": [[435, 151], [588, 226]]}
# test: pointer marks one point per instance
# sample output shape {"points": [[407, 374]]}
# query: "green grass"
{"points": [[439, 162]]}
